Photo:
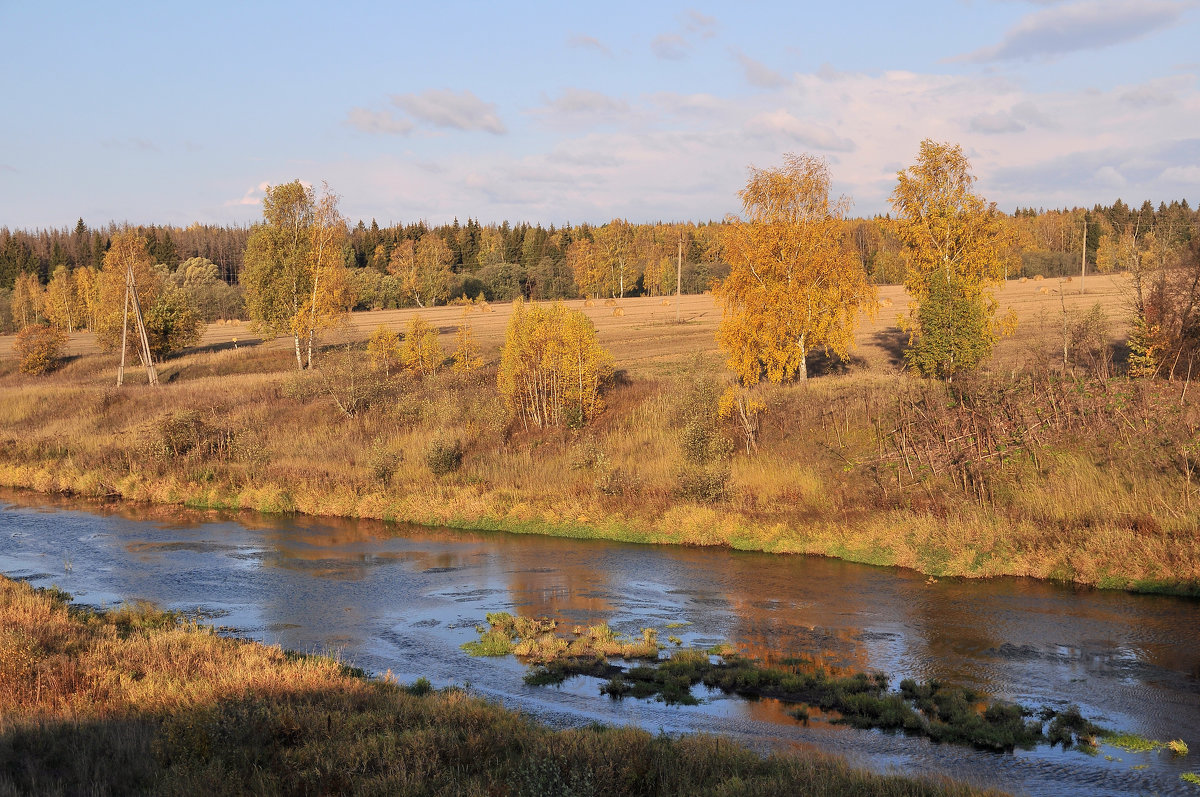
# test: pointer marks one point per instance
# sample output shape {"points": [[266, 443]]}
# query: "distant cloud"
{"points": [[1109, 177], [253, 196], [4, 167], [576, 108], [1185, 175], [586, 101], [757, 73], [1014, 120], [781, 123], [670, 47], [582, 42], [378, 122], [140, 144], [1147, 96], [1081, 25], [457, 110], [700, 24]]}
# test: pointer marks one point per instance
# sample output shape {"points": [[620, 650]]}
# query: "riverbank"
{"points": [[133, 701], [1027, 473]]}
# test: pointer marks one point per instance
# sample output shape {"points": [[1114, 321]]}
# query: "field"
{"points": [[1024, 470], [646, 336]]}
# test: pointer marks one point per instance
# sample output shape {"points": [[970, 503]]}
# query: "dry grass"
{"points": [[130, 702], [1087, 481], [646, 340]]}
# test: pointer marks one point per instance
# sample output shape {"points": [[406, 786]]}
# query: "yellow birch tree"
{"points": [[551, 367], [794, 283]]}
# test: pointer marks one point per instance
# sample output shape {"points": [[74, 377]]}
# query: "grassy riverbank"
{"points": [[1025, 471], [1028, 473], [131, 702]]}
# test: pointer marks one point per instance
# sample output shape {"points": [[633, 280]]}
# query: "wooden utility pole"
{"points": [[678, 276], [1083, 256], [143, 338]]}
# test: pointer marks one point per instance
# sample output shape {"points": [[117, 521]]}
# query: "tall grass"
{"points": [[1028, 473]]}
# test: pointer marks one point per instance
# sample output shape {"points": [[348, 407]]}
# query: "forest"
{"points": [[505, 261]]}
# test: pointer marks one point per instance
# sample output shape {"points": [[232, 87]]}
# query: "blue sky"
{"points": [[552, 112]]}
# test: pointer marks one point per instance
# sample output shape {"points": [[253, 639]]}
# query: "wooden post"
{"points": [[1083, 257], [678, 276], [124, 330], [143, 338]]}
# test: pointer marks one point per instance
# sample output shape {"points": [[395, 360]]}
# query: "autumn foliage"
{"points": [[39, 347], [551, 366], [794, 282]]}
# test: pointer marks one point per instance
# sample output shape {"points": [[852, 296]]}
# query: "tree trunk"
{"points": [[299, 360]]}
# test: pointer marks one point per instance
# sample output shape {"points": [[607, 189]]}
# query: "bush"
{"points": [[172, 323], [444, 456], [39, 347]]}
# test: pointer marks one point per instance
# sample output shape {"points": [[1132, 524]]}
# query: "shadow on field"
{"points": [[892, 341]]}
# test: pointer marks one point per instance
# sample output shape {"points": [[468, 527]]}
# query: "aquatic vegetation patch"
{"points": [[941, 712], [1190, 777]]}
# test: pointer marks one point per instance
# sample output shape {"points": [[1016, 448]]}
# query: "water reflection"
{"points": [[392, 597]]}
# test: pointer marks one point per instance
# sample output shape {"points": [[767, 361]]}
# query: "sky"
{"points": [[172, 113]]}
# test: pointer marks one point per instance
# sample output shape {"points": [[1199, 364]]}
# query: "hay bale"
{"points": [[665, 302], [589, 303], [1043, 289], [1038, 278], [886, 303], [618, 311], [1023, 280], [610, 302]]}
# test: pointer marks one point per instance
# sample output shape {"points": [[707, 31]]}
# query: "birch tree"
{"points": [[294, 271], [795, 283], [955, 243]]}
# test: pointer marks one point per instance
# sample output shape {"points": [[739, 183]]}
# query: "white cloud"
{"points": [[1082, 25], [140, 144], [1016, 119], [670, 47], [586, 101], [782, 124], [460, 110], [253, 196], [1109, 176], [581, 42], [1184, 175], [700, 24], [757, 73], [378, 122]]}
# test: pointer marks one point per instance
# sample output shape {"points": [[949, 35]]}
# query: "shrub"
{"points": [[551, 367], [172, 323], [39, 347], [421, 353], [444, 456], [384, 349]]}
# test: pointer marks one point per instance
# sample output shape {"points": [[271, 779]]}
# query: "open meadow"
{"points": [[644, 337]]}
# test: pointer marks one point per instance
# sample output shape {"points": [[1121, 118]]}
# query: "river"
{"points": [[400, 598]]}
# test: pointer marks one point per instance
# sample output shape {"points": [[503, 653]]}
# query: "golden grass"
{"points": [[1110, 507]]}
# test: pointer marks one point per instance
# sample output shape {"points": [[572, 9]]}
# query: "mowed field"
{"points": [[645, 339]]}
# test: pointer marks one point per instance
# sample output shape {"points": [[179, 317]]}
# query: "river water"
{"points": [[399, 598]]}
